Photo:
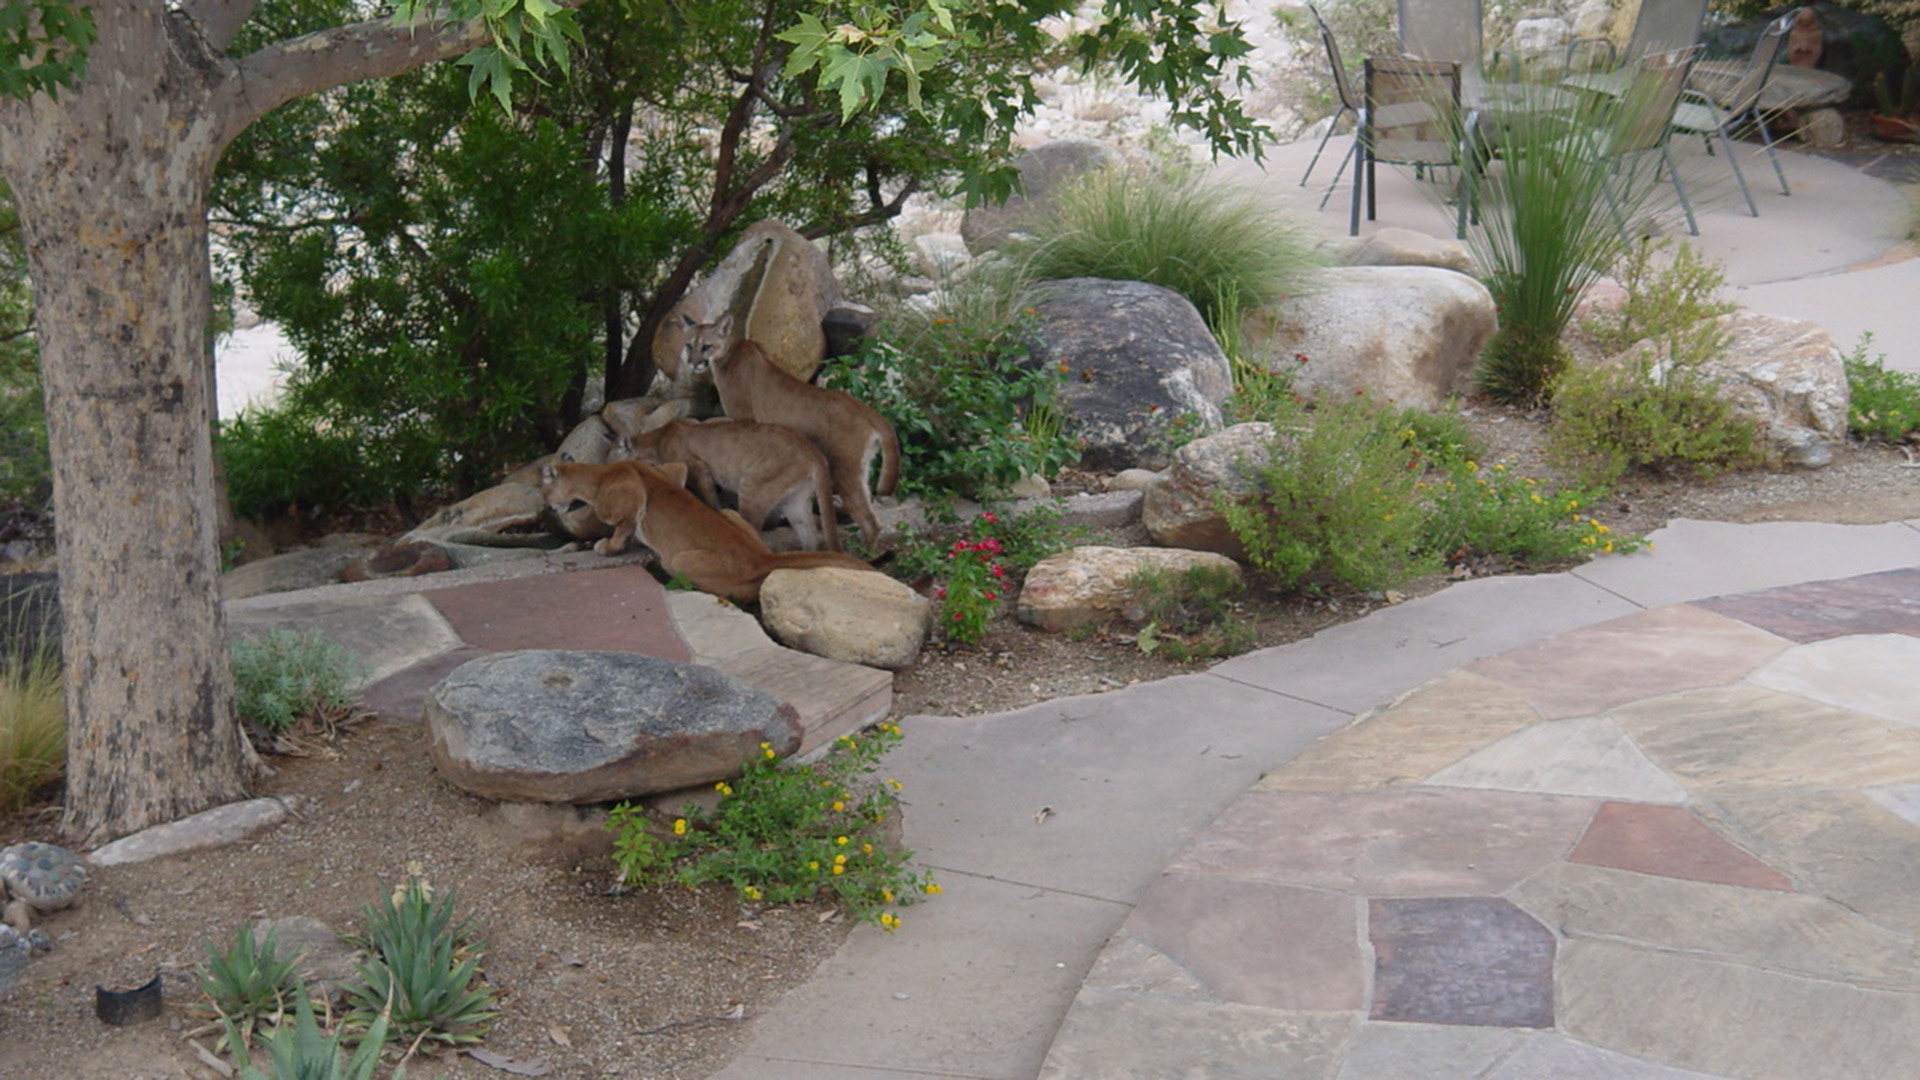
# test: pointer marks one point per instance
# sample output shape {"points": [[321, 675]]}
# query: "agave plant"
{"points": [[420, 976], [247, 982], [301, 1052]]}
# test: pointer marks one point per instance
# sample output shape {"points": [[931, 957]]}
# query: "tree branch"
{"points": [[310, 63], [219, 20]]}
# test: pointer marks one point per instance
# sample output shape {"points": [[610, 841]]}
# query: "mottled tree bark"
{"points": [[111, 179]]}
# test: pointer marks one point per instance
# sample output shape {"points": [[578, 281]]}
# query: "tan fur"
{"points": [[715, 549], [846, 429], [768, 468]]}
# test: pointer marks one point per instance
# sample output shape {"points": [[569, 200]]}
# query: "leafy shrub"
{"points": [[247, 982], [1885, 404], [1338, 501], [26, 472], [1190, 616], [788, 834], [1485, 515], [283, 678], [420, 976], [1221, 247], [33, 723], [976, 584], [972, 417], [1672, 296], [1646, 416]]}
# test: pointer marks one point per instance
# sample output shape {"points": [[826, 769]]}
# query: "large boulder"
{"points": [[1136, 356], [589, 443], [1085, 586], [1406, 247], [848, 615], [511, 504], [776, 286], [1406, 334], [1789, 377], [581, 727], [1850, 43], [1183, 509], [1044, 170]]}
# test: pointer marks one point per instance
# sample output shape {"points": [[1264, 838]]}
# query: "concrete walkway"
{"points": [[1653, 818]]}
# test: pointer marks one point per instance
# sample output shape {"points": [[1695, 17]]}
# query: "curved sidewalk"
{"points": [[1652, 819]]}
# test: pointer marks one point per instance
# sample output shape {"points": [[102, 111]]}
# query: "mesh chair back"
{"points": [[1665, 25], [1745, 93], [1413, 109], [1441, 30], [1646, 109], [1341, 84]]}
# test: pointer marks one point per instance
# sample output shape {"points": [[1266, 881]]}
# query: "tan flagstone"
{"points": [[1839, 844], [1117, 1036], [1745, 737]]}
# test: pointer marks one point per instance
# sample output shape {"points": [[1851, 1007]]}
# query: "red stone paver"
{"points": [[1668, 841], [1883, 603], [620, 609]]}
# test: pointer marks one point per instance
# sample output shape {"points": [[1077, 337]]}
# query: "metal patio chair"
{"points": [[1410, 114], [1661, 26], [1715, 111], [1349, 103]]}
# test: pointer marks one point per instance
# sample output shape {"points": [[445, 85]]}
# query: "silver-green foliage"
{"points": [[247, 982], [298, 1051], [284, 676]]}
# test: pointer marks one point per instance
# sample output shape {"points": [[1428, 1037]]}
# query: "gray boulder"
{"points": [[1044, 170], [1089, 585], [1183, 509], [776, 285], [847, 615], [1406, 247], [1137, 356], [1406, 334], [589, 443], [578, 727]]}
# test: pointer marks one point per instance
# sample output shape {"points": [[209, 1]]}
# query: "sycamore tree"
{"points": [[113, 115]]}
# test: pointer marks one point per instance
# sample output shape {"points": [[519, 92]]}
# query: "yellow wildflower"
{"points": [[679, 826]]}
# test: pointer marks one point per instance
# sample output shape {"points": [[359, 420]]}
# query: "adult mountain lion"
{"points": [[849, 432], [768, 468], [715, 549]]}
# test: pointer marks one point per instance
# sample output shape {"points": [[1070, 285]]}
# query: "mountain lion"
{"points": [[769, 469], [715, 549], [846, 429]]}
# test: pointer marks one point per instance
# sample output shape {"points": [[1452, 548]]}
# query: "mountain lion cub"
{"points": [[769, 469], [846, 429], [715, 549]]}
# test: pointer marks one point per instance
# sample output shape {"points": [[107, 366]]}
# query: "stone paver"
{"points": [[1668, 841], [1872, 674], [1884, 603], [1257, 944], [1111, 1036], [1588, 756], [1737, 737], [1460, 960]]}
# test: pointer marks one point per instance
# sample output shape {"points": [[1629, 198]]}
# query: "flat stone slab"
{"points": [[1876, 674], [555, 726], [1109, 1036], [1668, 841], [1460, 960], [387, 634], [1790, 933], [209, 828], [1657, 652], [1884, 603], [1749, 737], [1381, 1050], [1431, 727], [620, 608], [1728, 1019], [1838, 844], [1549, 1056], [1589, 756], [1397, 842], [1255, 943]]}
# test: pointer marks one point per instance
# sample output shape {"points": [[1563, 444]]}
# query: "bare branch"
{"points": [[310, 63], [219, 20]]}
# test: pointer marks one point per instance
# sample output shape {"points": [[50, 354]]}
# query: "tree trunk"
{"points": [[112, 192]]}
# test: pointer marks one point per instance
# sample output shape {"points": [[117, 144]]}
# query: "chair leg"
{"points": [[1766, 139], [1693, 227], [1733, 159], [1345, 160], [1361, 164], [1323, 145]]}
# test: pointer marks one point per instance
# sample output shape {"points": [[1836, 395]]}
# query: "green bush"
{"points": [[1338, 503], [420, 974], [1221, 247], [1190, 616], [1650, 417], [1672, 297], [787, 834], [284, 679], [971, 416], [26, 472], [1885, 404], [1483, 516]]}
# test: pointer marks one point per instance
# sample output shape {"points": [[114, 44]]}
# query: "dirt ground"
{"points": [[594, 983]]}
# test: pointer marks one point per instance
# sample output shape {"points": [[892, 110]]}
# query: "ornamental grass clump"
{"points": [[1224, 248], [33, 723], [786, 834]]}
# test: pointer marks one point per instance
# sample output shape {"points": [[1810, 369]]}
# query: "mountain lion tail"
{"points": [[889, 460]]}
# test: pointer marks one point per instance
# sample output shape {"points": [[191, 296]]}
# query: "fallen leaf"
{"points": [[504, 1063], [561, 1036], [1040, 817]]}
